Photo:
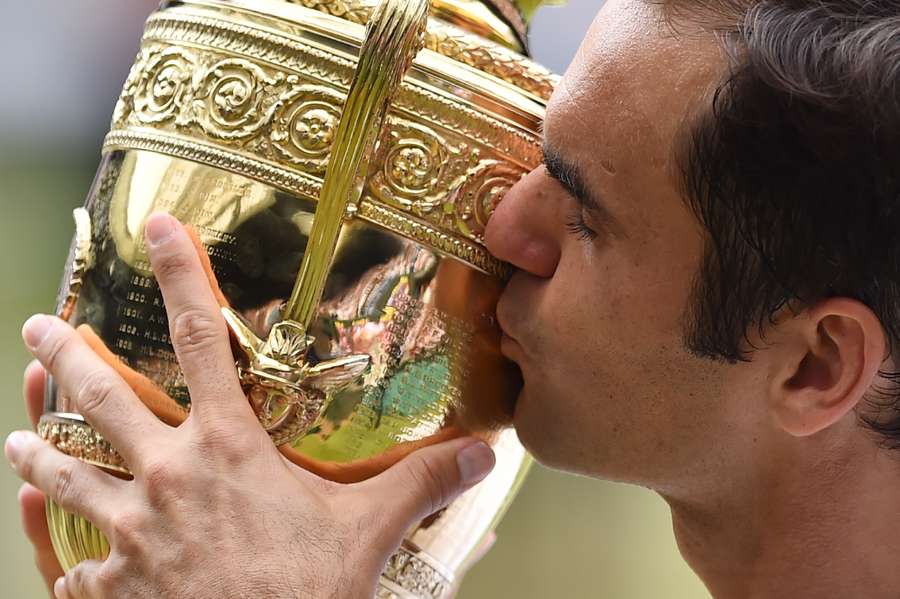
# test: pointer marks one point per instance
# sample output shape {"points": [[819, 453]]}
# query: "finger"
{"points": [[81, 582], [34, 521], [34, 517], [196, 326], [429, 479], [33, 390], [77, 487], [98, 392]]}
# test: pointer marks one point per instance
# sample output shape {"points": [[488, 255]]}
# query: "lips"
{"points": [[509, 344], [510, 348]]}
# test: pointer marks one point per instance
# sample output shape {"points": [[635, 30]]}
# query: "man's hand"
{"points": [[214, 510]]}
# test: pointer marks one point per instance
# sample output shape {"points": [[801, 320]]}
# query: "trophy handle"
{"points": [[393, 38], [287, 393]]}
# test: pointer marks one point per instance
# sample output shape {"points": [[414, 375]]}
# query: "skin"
{"points": [[214, 490], [776, 489], [768, 473]]}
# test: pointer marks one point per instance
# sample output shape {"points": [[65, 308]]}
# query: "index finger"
{"points": [[196, 326], [97, 392]]}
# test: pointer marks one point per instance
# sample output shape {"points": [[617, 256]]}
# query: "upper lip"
{"points": [[504, 327], [499, 314]]}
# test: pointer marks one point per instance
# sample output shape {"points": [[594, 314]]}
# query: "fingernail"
{"points": [[14, 443], [475, 462], [35, 330], [159, 228]]}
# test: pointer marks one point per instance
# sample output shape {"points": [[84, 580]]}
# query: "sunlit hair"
{"points": [[794, 171]]}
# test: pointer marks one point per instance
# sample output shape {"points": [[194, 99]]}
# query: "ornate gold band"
{"points": [[266, 105], [409, 574], [70, 434]]}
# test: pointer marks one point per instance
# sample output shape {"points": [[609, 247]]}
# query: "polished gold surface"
{"points": [[80, 260], [288, 392], [464, 42], [205, 88], [342, 237], [501, 22]]}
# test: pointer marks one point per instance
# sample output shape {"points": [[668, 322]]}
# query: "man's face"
{"points": [[597, 323]]}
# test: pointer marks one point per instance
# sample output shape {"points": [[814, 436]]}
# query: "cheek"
{"points": [[597, 343], [575, 328], [601, 307]]}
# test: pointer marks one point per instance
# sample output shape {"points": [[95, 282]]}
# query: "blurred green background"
{"points": [[565, 536]]}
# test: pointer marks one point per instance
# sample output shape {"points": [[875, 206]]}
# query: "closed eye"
{"points": [[577, 227], [566, 173]]}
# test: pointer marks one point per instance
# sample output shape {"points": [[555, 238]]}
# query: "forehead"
{"points": [[631, 86]]}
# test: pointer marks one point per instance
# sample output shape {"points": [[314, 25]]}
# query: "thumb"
{"points": [[430, 478]]}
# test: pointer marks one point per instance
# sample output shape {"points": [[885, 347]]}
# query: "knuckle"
{"points": [[94, 391], [430, 482], [108, 581], [196, 329], [160, 479], [53, 348], [75, 582], [125, 529], [64, 486], [172, 265], [221, 442]]}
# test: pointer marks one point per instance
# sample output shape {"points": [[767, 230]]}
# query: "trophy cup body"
{"points": [[385, 331]]}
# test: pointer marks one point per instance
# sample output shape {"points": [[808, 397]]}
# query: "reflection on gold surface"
{"points": [[424, 320], [234, 119]]}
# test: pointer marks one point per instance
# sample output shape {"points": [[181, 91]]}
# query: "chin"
{"points": [[552, 441], [534, 434]]}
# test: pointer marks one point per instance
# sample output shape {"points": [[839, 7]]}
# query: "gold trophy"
{"points": [[336, 162]]}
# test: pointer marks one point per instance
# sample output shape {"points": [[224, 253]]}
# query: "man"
{"points": [[706, 302]]}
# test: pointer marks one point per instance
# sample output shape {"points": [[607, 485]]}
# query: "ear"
{"points": [[830, 355]]}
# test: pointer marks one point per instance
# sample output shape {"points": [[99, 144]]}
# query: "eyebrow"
{"points": [[569, 176]]}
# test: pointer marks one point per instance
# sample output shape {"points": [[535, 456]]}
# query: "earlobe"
{"points": [[833, 356]]}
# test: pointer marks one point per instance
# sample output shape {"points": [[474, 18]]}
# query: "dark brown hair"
{"points": [[794, 171]]}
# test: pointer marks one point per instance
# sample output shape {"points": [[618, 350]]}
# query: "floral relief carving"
{"points": [[413, 166], [235, 99], [304, 126], [486, 186], [157, 87], [449, 185], [200, 90]]}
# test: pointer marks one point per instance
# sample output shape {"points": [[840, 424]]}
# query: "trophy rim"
{"points": [[499, 122], [297, 21]]}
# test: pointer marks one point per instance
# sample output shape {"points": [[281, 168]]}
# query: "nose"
{"points": [[524, 228]]}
